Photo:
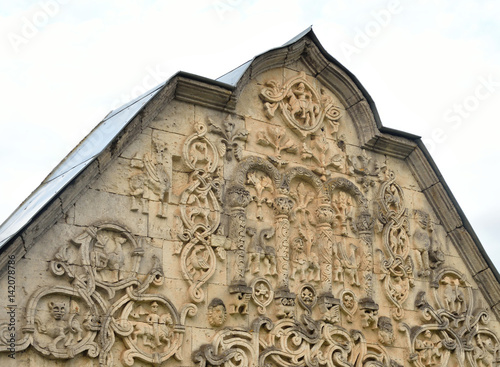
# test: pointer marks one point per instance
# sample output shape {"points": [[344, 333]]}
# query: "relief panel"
{"points": [[291, 246]]}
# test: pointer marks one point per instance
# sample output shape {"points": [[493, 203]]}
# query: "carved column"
{"points": [[325, 217], [363, 226], [238, 199], [282, 208]]}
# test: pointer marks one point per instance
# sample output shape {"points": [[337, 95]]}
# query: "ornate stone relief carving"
{"points": [[106, 299], [276, 138], [303, 108], [200, 211], [322, 152], [428, 249], [216, 312], [368, 170], [397, 265], [291, 343], [454, 331], [152, 182], [230, 136], [291, 238]]}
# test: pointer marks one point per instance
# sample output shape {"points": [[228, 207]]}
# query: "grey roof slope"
{"points": [[108, 130], [79, 158]]}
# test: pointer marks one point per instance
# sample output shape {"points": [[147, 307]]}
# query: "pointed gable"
{"points": [[266, 218]]}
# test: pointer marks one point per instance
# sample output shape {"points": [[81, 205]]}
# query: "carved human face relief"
{"points": [[217, 314]]}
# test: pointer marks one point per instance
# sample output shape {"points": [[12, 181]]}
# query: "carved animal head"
{"points": [[166, 319], [57, 310]]}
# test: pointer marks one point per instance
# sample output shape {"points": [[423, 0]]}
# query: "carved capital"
{"points": [[238, 197], [283, 206], [325, 215]]}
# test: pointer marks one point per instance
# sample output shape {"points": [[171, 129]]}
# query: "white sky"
{"points": [[432, 68]]}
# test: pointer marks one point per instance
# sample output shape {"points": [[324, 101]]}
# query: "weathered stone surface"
{"points": [[270, 225]]}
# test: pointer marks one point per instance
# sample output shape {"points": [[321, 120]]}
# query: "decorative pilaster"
{"points": [[282, 208]]}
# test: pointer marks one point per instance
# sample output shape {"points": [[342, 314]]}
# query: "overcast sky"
{"points": [[432, 68]]}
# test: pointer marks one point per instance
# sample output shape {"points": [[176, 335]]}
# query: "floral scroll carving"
{"points": [[291, 343], [106, 299]]}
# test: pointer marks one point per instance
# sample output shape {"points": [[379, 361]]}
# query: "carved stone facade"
{"points": [[266, 232]]}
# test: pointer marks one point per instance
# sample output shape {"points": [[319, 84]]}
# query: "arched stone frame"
{"points": [[361, 225], [300, 204], [451, 281], [34, 325], [356, 101], [237, 200]]}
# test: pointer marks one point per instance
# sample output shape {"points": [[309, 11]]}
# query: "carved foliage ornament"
{"points": [[230, 135], [291, 343]]}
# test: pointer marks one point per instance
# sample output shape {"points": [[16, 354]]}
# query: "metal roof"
{"points": [[234, 75], [79, 158]]}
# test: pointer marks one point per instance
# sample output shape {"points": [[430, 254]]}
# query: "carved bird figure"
{"points": [[198, 261]]}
